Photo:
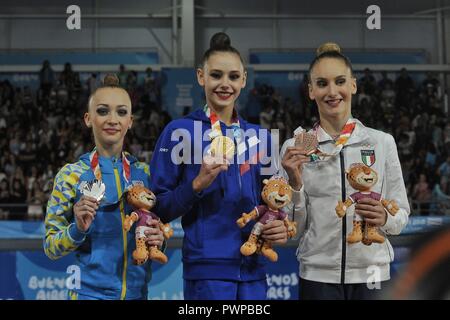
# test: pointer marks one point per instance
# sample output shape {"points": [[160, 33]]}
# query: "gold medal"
{"points": [[222, 146]]}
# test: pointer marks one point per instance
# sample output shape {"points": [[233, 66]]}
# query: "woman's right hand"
{"points": [[292, 162], [85, 210], [209, 170]]}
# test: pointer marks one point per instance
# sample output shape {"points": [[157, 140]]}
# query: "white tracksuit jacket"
{"points": [[323, 252]]}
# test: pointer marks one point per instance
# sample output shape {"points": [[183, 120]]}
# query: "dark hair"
{"points": [[220, 42], [329, 50], [109, 81]]}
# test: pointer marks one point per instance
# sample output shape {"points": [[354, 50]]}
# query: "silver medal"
{"points": [[95, 189]]}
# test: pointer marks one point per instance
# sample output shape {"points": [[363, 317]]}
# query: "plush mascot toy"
{"points": [[143, 200], [363, 178], [276, 194]]}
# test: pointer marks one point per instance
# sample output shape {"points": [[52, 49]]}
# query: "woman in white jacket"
{"points": [[330, 268]]}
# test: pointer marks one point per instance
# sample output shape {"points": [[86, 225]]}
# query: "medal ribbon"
{"points": [[345, 134], [216, 130], [95, 166]]}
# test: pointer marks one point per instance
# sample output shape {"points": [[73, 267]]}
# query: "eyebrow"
{"points": [[107, 105], [217, 70], [340, 76]]}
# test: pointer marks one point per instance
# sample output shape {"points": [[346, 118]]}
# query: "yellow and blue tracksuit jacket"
{"points": [[103, 253]]}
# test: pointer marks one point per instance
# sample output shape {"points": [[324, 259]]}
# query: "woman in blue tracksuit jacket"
{"points": [[212, 196], [94, 231]]}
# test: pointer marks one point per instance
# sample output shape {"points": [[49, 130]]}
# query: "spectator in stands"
{"points": [[4, 199], [422, 194], [431, 84], [253, 107], [132, 80], [35, 201], [446, 135], [18, 191], [62, 93], [408, 173], [404, 87], [68, 77], [388, 97], [4, 191], [149, 80], [92, 83], [444, 169], [123, 76], [437, 135], [405, 146], [94, 229], [368, 82], [266, 116], [431, 156], [385, 81], [3, 123], [149, 100], [2, 173], [47, 78], [441, 197], [14, 144], [329, 267]]}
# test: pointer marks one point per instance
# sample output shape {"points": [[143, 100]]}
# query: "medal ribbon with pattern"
{"points": [[95, 166], [345, 134], [216, 130]]}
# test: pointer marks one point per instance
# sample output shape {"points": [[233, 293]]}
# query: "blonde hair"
{"points": [[328, 47], [330, 50]]}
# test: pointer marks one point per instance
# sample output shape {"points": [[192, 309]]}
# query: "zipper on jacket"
{"points": [[344, 219], [124, 236]]}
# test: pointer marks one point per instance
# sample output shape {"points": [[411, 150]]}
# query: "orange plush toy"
{"points": [[276, 194], [143, 200], [363, 178]]}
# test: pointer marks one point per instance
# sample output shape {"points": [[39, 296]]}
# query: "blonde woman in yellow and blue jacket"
{"points": [[94, 230]]}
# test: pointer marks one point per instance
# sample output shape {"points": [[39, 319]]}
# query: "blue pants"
{"points": [[225, 290], [312, 290], [76, 296]]}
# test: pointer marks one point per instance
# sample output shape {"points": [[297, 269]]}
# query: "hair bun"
{"points": [[220, 41], [328, 47], [111, 80]]}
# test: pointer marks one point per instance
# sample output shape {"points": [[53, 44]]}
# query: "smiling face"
{"points": [[109, 116], [222, 78], [332, 86], [276, 193], [147, 198], [362, 177]]}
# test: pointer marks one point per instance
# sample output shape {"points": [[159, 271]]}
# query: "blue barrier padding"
{"points": [[80, 58], [355, 57], [36, 229]]}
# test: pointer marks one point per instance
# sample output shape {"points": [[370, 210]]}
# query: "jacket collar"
{"points": [[360, 134]]}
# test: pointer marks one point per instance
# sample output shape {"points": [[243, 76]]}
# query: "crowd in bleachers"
{"points": [[41, 130]]}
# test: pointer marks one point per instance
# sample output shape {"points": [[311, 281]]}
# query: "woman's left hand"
{"points": [[154, 235], [372, 211], [275, 232]]}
